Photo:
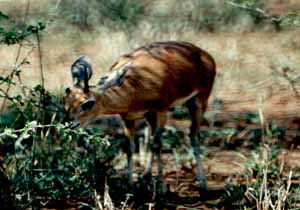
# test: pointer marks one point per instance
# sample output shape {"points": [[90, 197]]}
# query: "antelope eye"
{"points": [[87, 105]]}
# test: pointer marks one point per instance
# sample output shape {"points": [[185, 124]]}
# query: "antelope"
{"points": [[146, 83]]}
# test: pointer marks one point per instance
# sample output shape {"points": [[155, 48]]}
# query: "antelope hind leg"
{"points": [[129, 132], [197, 107]]}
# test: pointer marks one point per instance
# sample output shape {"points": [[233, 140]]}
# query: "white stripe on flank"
{"points": [[184, 99]]}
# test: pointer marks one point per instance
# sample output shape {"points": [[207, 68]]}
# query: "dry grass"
{"points": [[243, 59]]}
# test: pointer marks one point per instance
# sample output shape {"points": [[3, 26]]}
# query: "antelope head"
{"points": [[79, 99], [77, 102], [84, 103]]}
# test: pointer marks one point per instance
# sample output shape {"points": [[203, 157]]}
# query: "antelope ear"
{"points": [[88, 104], [68, 90]]}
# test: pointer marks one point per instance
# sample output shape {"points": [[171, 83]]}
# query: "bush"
{"points": [[266, 183], [126, 13], [120, 14], [41, 157]]}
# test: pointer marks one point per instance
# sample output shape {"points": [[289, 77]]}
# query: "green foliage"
{"points": [[274, 131], [172, 15], [42, 157], [3, 16], [170, 138], [290, 20], [205, 15], [37, 104], [258, 11], [234, 195], [180, 112], [44, 160], [250, 3], [247, 117], [47, 161], [124, 12], [266, 182], [117, 14], [17, 32], [247, 123]]}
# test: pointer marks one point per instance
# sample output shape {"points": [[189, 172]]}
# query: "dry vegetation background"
{"points": [[249, 52], [244, 52]]}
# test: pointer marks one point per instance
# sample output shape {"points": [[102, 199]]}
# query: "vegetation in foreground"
{"points": [[44, 163]]}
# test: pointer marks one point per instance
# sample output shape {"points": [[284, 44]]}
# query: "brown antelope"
{"points": [[146, 84]]}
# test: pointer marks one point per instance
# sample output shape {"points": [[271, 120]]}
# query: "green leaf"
{"points": [[25, 135], [41, 26], [10, 132], [3, 16], [32, 124], [32, 29]]}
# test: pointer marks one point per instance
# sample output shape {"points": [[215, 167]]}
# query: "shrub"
{"points": [[123, 14]]}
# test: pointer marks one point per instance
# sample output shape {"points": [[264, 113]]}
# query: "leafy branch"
{"points": [[16, 35], [32, 127], [252, 7], [288, 19], [292, 77]]}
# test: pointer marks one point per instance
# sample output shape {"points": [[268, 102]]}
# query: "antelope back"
{"points": [[154, 77]]}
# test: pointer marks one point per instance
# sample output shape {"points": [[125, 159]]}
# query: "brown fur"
{"points": [[157, 77]]}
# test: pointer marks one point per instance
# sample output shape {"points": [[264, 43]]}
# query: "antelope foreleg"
{"points": [[156, 148], [129, 132]]}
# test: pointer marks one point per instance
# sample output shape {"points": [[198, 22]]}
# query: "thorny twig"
{"points": [[40, 59], [41, 74], [17, 58], [17, 66], [287, 77], [32, 127], [57, 4], [260, 11], [293, 83]]}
